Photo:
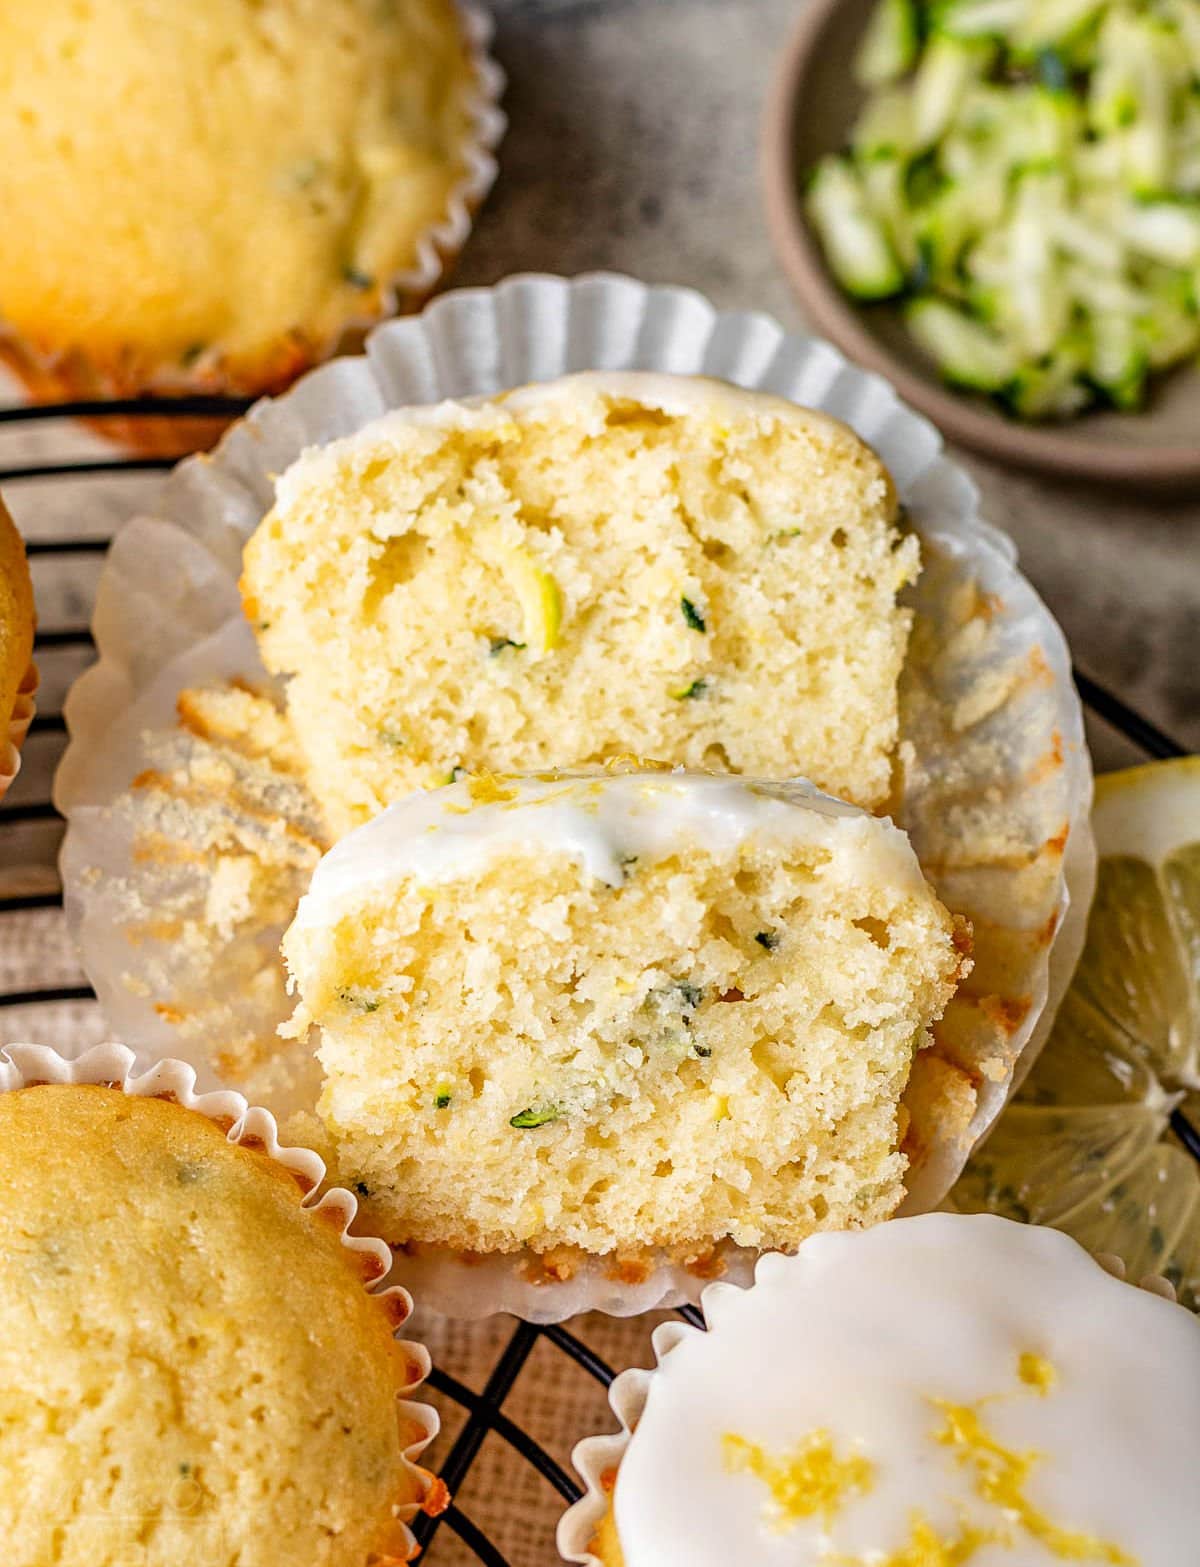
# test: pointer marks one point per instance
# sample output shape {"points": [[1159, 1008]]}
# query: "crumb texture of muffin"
{"points": [[191, 1369], [619, 1011], [937, 1390], [16, 621], [662, 566], [219, 188]]}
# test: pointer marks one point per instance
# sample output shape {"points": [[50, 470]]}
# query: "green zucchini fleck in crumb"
{"points": [[392, 737], [362, 1188], [497, 645], [692, 615], [692, 692], [538, 1117], [441, 1100], [356, 277], [703, 1051], [692, 994], [768, 939], [359, 1000]]}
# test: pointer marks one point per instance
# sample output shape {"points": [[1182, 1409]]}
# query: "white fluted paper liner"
{"points": [[597, 1458], [18, 727], [406, 289], [995, 780], [115, 1066]]}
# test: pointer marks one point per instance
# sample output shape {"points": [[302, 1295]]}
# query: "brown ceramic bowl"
{"points": [[812, 105]]}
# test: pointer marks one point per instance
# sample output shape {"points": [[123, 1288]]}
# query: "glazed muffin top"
{"points": [[944, 1389], [16, 620], [225, 184], [190, 1366]]}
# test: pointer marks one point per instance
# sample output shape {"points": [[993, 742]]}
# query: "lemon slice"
{"points": [[1091, 1144]]}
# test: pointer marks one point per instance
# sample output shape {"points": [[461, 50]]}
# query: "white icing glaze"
{"points": [[672, 394], [856, 1333], [602, 819]]}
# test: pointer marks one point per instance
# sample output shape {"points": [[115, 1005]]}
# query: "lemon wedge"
{"points": [[1091, 1145]]}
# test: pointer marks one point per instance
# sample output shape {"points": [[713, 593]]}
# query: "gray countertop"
{"points": [[633, 145]]}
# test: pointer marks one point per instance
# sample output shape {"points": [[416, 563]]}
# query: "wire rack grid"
{"points": [[483, 1408]]}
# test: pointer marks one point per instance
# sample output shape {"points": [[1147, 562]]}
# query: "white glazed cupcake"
{"points": [[938, 1390]]}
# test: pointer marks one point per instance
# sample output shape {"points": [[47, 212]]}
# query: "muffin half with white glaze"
{"points": [[943, 1391], [619, 1012], [661, 565]]}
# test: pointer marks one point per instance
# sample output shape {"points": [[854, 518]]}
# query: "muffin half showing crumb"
{"points": [[618, 1012], [608, 563], [191, 1369]]}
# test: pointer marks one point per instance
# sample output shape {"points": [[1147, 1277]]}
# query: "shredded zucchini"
{"points": [[1026, 175]]}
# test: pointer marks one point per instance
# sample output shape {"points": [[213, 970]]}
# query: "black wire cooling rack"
{"points": [[484, 1409]]}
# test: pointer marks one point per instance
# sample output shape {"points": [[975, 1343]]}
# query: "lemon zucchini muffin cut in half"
{"points": [[191, 1369], [206, 195], [662, 566], [615, 1012]]}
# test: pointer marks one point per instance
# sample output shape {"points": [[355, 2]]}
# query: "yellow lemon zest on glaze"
{"points": [[1001, 1475], [1037, 1372], [487, 789], [927, 1548], [813, 1480], [809, 1481]]}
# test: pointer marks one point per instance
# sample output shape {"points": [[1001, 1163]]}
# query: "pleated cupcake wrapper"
{"points": [[75, 374], [596, 1459], [116, 1066], [18, 727], [989, 708]]}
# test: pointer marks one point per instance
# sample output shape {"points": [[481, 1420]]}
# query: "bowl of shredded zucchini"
{"points": [[996, 203]]}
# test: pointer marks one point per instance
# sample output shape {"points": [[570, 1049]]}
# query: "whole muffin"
{"points": [[191, 1370], [206, 196], [17, 678], [661, 565], [620, 1014], [944, 1391]]}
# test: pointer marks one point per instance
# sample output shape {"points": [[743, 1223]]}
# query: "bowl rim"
{"points": [[1028, 446]]}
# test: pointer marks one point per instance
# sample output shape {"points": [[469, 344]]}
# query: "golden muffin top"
{"points": [[235, 180], [16, 618], [190, 1367]]}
